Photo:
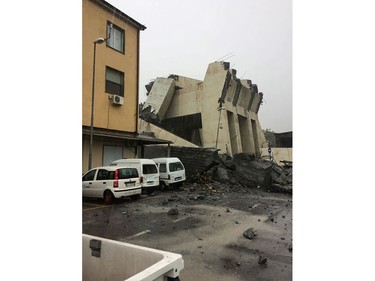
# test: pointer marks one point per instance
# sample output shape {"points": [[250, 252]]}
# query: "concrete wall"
{"points": [[195, 159]]}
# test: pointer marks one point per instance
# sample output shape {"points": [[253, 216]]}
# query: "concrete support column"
{"points": [[234, 133], [243, 122]]}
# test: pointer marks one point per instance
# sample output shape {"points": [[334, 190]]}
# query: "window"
{"points": [[102, 175], [114, 82], [162, 168], [127, 173], [149, 169], [89, 176], [177, 166], [116, 37]]}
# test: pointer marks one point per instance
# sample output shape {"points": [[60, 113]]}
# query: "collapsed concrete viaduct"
{"points": [[221, 111]]}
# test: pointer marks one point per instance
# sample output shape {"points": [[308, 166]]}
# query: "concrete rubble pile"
{"points": [[248, 171], [205, 165]]}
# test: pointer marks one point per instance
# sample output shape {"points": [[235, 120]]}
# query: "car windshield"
{"points": [[176, 166]]}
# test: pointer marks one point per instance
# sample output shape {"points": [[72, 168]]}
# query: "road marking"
{"points": [[93, 208], [139, 234], [223, 204], [180, 219]]}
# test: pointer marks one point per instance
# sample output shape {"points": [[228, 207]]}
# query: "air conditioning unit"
{"points": [[117, 100]]}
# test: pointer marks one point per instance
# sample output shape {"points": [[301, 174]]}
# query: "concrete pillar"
{"points": [[245, 134], [214, 87], [234, 138]]}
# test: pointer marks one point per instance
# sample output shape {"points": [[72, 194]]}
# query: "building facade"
{"points": [[112, 78], [220, 111]]}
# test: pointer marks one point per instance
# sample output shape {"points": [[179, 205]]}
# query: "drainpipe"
{"points": [[220, 108], [137, 105]]}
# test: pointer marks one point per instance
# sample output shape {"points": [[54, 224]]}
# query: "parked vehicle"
{"points": [[147, 170], [111, 182], [172, 172], [105, 259]]}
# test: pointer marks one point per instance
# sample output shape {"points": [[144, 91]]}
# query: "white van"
{"points": [[171, 170], [147, 170]]}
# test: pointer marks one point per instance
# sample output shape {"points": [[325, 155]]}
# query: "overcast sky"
{"points": [[255, 36]]}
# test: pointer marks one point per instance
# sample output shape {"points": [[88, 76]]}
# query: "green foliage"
{"points": [[270, 137]]}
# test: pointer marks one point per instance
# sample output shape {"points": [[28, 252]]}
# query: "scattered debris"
{"points": [[262, 260], [173, 212], [210, 188], [290, 247], [250, 233], [174, 197]]}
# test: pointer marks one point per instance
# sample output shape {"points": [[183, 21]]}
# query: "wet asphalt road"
{"points": [[207, 231]]}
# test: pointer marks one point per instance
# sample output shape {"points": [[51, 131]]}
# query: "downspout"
{"points": [[137, 99], [137, 105]]}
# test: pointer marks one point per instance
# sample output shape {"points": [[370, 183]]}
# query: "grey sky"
{"points": [[255, 36]]}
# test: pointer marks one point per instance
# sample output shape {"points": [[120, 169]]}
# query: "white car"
{"points": [[111, 182]]}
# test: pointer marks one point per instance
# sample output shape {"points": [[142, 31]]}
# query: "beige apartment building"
{"points": [[112, 78], [220, 111]]}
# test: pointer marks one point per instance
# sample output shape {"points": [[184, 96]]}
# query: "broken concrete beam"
{"points": [[148, 114], [220, 174], [289, 178], [243, 158], [252, 172], [288, 188], [277, 169], [160, 97]]}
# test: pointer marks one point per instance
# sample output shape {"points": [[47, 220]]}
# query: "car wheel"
{"points": [[108, 197], [163, 186]]}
